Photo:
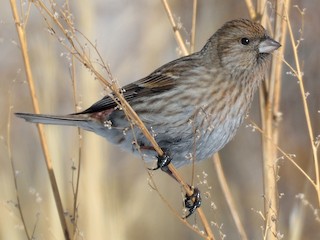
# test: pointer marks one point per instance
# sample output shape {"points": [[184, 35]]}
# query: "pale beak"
{"points": [[268, 45]]}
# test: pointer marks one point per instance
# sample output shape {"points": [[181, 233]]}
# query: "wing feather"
{"points": [[162, 79]]}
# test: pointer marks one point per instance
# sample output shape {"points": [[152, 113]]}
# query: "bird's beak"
{"points": [[268, 45]]}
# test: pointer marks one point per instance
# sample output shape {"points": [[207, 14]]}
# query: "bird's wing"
{"points": [[162, 79]]}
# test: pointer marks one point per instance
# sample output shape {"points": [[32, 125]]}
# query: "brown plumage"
{"points": [[194, 102]]}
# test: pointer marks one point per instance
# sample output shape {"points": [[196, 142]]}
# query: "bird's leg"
{"points": [[193, 201], [163, 162]]}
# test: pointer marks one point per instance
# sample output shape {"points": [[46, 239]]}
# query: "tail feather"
{"points": [[67, 120]]}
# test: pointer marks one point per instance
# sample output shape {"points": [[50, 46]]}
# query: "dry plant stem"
{"points": [[175, 28], [270, 173], [252, 11], [185, 52], [184, 221], [173, 170], [269, 163], [221, 177], [193, 35], [193, 28], [280, 33], [24, 51], [228, 196], [15, 177], [286, 155], [305, 107], [75, 186], [269, 92], [76, 189], [80, 55], [271, 121], [270, 177], [274, 93]]}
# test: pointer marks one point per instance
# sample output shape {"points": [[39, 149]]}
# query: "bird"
{"points": [[192, 105]]}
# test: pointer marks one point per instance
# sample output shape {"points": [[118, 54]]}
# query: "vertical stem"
{"points": [[251, 9], [193, 28], [175, 28], [305, 108], [269, 163], [228, 196], [270, 174], [19, 207], [24, 50], [269, 104]]}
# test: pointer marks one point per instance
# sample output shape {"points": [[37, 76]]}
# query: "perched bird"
{"points": [[193, 105]]}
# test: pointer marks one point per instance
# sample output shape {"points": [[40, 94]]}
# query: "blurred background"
{"points": [[115, 198]]}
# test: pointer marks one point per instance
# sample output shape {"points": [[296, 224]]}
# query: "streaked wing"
{"points": [[162, 79]]}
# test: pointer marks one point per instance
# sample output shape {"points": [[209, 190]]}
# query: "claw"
{"points": [[192, 202], [163, 162]]}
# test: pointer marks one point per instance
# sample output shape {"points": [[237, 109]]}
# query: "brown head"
{"points": [[243, 45]]}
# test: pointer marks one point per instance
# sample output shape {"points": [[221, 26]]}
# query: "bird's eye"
{"points": [[245, 41]]}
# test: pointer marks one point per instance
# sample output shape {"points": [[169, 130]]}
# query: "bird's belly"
{"points": [[212, 137], [181, 139]]}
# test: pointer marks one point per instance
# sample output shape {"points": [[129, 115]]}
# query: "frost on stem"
{"points": [[317, 141], [51, 31], [107, 124], [213, 206], [189, 157], [305, 202], [219, 227], [125, 130], [253, 127], [153, 133], [56, 15], [307, 94], [37, 195], [281, 195]]}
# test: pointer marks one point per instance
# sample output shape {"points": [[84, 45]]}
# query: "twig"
{"points": [[286, 155], [305, 107], [175, 28], [185, 52], [80, 54], [193, 28], [15, 176], [24, 51], [75, 186], [184, 221], [272, 119], [252, 11], [76, 189], [269, 107], [228, 196]]}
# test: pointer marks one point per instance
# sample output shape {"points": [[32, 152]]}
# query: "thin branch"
{"points": [[24, 51], [228, 196], [76, 189], [251, 9], [286, 155], [185, 52], [175, 28], [80, 54], [305, 107], [193, 28], [15, 176]]}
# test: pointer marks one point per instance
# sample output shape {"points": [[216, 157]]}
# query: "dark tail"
{"points": [[67, 120]]}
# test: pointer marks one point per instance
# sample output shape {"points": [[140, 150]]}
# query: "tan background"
{"points": [[115, 200]]}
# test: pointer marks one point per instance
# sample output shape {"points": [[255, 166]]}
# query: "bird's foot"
{"points": [[163, 162], [193, 201]]}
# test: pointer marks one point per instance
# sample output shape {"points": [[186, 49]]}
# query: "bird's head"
{"points": [[243, 45]]}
